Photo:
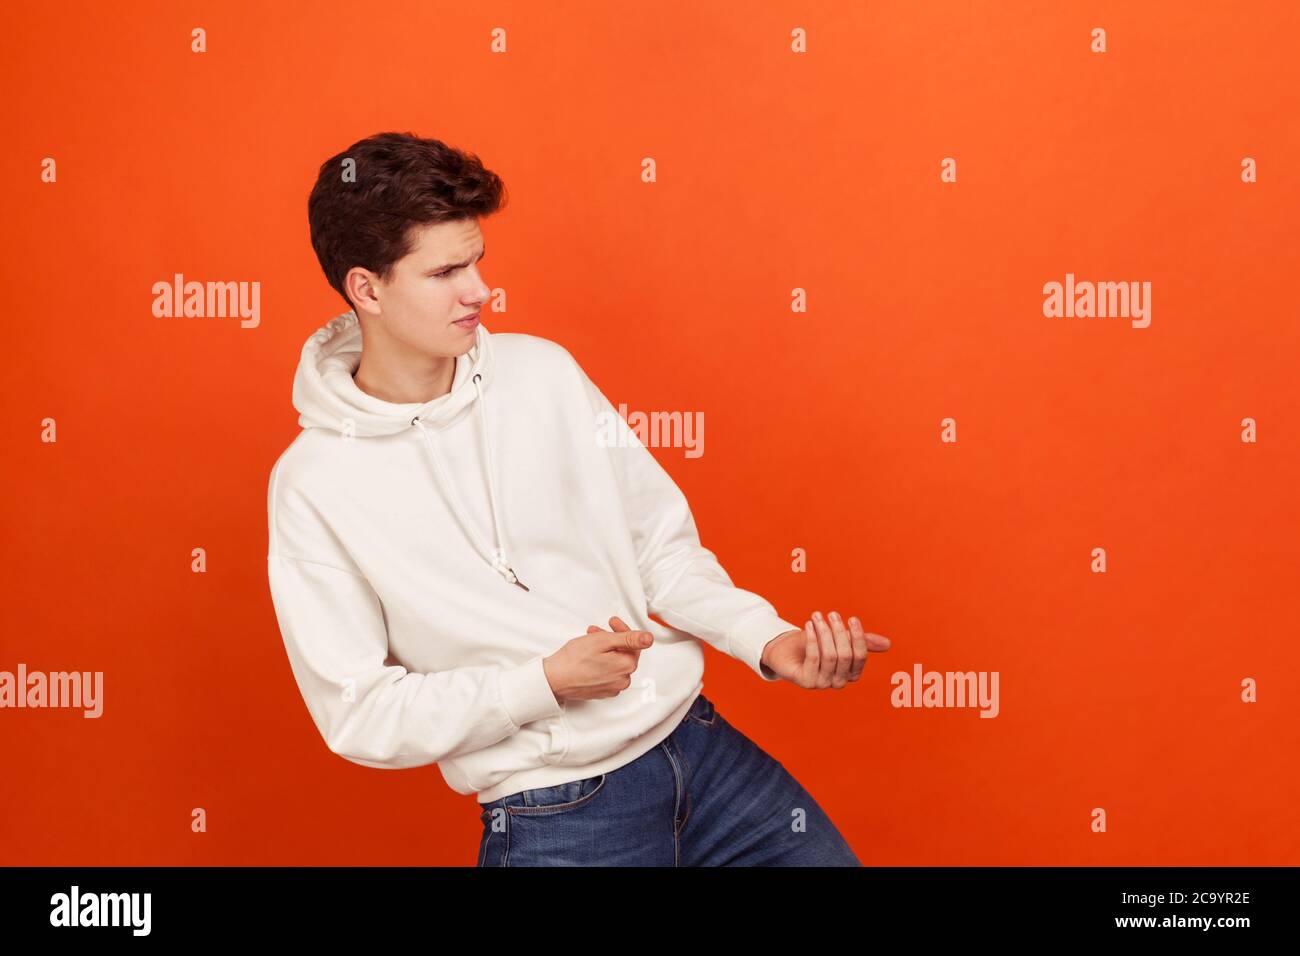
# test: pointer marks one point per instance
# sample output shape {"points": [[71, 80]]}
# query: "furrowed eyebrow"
{"points": [[459, 265]]}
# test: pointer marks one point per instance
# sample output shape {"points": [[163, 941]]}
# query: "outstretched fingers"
{"points": [[843, 651], [812, 658], [829, 653], [859, 638]]}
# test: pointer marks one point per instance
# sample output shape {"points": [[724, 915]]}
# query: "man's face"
{"points": [[431, 287]]}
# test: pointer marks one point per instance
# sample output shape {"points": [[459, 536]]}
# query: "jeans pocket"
{"points": [[560, 798], [702, 712]]}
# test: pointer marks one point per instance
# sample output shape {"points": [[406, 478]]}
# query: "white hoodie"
{"points": [[419, 582]]}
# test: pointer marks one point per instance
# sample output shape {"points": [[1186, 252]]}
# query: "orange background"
{"points": [[775, 171]]}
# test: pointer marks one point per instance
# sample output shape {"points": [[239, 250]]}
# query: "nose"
{"points": [[478, 289]]}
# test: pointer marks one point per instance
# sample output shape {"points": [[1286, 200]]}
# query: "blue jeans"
{"points": [[706, 795]]}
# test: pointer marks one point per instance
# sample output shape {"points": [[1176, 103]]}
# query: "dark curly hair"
{"points": [[364, 214]]}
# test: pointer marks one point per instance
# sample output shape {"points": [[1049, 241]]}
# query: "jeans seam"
{"points": [[677, 791], [505, 857], [686, 789]]}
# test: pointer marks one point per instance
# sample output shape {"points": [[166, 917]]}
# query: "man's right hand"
{"points": [[597, 664]]}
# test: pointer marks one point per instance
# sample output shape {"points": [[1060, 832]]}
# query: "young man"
{"points": [[464, 564]]}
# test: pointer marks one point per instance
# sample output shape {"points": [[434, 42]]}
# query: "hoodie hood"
{"points": [[326, 396]]}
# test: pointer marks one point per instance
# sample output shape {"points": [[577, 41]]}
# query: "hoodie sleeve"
{"points": [[376, 713], [684, 583]]}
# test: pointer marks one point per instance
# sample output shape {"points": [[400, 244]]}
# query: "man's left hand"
{"points": [[824, 654]]}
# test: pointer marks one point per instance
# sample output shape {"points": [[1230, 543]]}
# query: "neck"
{"points": [[393, 373]]}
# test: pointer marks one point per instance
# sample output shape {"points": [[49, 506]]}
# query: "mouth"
{"points": [[469, 322]]}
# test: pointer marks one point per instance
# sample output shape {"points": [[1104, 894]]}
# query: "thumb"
{"points": [[878, 642]]}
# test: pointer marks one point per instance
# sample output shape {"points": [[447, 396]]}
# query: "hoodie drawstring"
{"points": [[494, 556]]}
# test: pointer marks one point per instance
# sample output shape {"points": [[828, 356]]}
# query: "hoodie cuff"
{"points": [[526, 693], [752, 634]]}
